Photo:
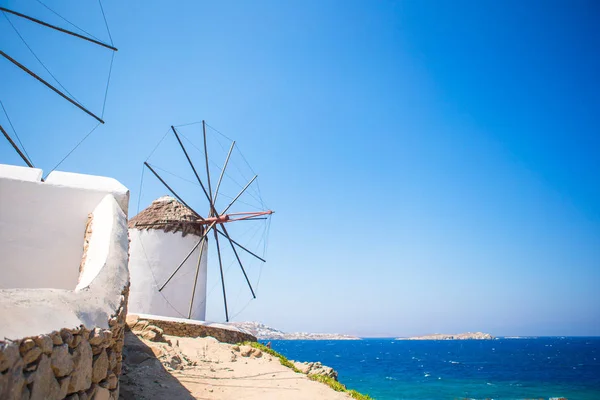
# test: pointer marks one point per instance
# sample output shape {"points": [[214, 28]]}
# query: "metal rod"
{"points": [[14, 145], [196, 279], [223, 172], [222, 277], [238, 259], [171, 190], [61, 94], [239, 194], [268, 212], [37, 21], [247, 219], [241, 247], [186, 257], [212, 206], [191, 164]]}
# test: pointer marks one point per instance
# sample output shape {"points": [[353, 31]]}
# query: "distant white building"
{"points": [[161, 237]]}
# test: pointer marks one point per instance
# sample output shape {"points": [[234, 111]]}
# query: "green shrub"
{"points": [[332, 383]]}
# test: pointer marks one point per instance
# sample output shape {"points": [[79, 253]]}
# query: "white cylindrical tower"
{"points": [[161, 237]]}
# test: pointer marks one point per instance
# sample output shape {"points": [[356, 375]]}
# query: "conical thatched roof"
{"points": [[169, 215]]}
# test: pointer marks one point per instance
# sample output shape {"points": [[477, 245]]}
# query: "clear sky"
{"points": [[434, 165]]}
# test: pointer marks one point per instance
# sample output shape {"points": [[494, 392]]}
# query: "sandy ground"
{"points": [[203, 368]]}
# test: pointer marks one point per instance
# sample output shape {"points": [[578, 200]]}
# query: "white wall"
{"points": [[42, 225], [153, 256]]}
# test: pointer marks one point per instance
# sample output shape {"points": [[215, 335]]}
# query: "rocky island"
{"points": [[264, 332], [458, 336]]}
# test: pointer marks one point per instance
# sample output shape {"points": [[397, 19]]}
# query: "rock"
{"points": [[75, 342], [316, 368], [81, 378], [107, 337], [151, 335], [9, 354], [97, 350], [235, 347], [101, 394], [245, 351], [66, 336], [175, 362], [31, 355], [131, 320], [56, 339], [26, 345], [139, 326], [257, 353], [62, 364], [74, 396], [13, 380], [64, 386], [112, 359], [99, 367], [85, 334], [96, 337], [44, 384], [113, 381], [44, 342]]}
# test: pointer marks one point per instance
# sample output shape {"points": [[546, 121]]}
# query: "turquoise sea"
{"points": [[529, 368]]}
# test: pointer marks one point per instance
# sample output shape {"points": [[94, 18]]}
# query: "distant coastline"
{"points": [[264, 332], [457, 336]]}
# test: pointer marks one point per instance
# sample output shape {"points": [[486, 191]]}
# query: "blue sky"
{"points": [[434, 165]]}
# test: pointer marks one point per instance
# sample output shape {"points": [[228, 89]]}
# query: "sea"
{"points": [[505, 368]]}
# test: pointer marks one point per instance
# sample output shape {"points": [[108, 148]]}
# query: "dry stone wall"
{"points": [[153, 329], [75, 364]]}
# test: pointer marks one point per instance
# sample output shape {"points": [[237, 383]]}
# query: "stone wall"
{"points": [[152, 327], [73, 363]]}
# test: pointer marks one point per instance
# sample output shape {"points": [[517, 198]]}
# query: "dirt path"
{"points": [[203, 368]]}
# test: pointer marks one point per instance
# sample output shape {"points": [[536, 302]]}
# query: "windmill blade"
{"points": [[196, 277], [68, 32], [212, 206], [188, 256], [171, 190], [239, 194], [48, 85], [14, 145], [238, 259], [191, 164], [240, 246], [222, 277], [223, 172]]}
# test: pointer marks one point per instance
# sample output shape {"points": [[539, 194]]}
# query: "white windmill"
{"points": [[170, 243]]}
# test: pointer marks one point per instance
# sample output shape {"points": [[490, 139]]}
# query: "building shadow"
{"points": [[144, 376]]}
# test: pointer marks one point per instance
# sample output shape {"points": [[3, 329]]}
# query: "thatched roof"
{"points": [[169, 215]]}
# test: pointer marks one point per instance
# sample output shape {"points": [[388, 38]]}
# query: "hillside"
{"points": [[264, 332], [458, 336]]}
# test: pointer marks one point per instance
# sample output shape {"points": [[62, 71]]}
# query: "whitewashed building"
{"points": [[162, 236]]}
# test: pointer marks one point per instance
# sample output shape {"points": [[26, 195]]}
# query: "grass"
{"points": [[332, 383], [282, 359], [339, 387]]}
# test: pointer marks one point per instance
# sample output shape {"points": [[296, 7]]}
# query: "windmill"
{"points": [[161, 232], [64, 93]]}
